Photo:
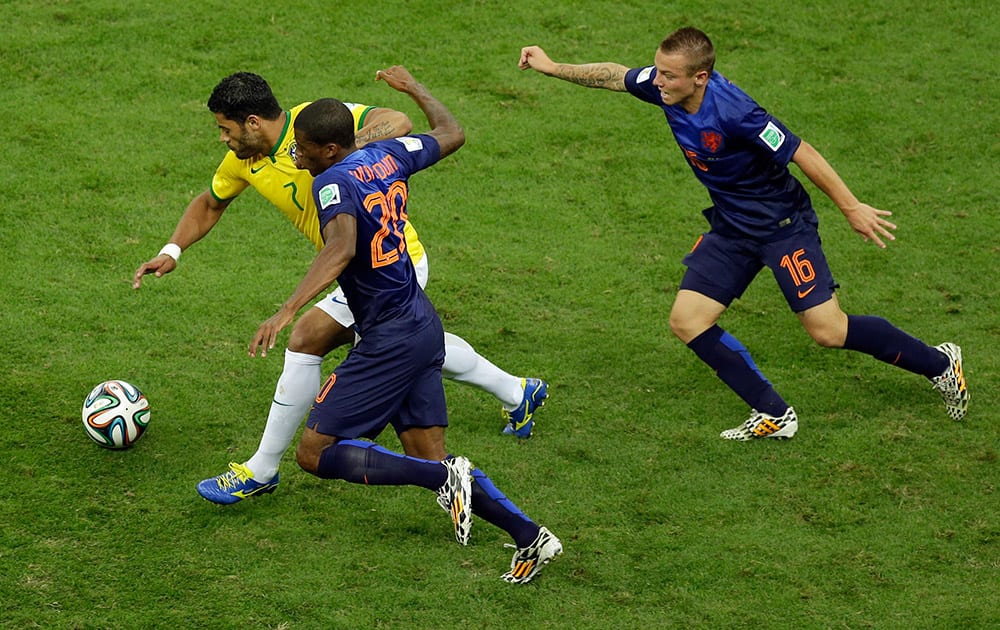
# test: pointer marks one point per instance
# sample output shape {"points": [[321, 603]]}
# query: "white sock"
{"points": [[463, 364], [297, 388]]}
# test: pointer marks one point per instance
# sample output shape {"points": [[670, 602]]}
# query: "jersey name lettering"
{"points": [[379, 170]]}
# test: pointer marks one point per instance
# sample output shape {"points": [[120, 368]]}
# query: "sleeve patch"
{"points": [[329, 195], [410, 143], [644, 74], [772, 136]]}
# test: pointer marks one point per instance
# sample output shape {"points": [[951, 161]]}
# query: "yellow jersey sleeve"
{"points": [[287, 188]]}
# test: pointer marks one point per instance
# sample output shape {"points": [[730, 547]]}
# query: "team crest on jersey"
{"points": [[329, 195], [291, 151], [711, 140], [772, 136]]}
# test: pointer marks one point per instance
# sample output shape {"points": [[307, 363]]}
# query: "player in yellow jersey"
{"points": [[259, 135]]}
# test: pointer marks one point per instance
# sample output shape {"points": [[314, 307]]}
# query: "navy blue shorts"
{"points": [[722, 267], [395, 383]]}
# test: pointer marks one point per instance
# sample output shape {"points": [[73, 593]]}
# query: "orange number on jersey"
{"points": [[391, 212], [326, 388], [799, 267], [693, 157]]}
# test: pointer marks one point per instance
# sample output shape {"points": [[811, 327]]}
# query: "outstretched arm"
{"points": [[867, 221], [444, 128], [198, 219], [607, 75]]}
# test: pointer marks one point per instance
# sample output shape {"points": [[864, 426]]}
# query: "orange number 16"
{"points": [[798, 267]]}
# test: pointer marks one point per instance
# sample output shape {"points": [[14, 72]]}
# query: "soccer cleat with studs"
{"points": [[528, 561], [952, 383], [455, 497], [521, 421], [762, 425], [235, 485]]}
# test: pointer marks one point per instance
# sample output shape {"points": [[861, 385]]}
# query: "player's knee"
{"points": [[828, 337], [308, 338], [684, 328], [459, 357], [433, 453], [424, 443], [827, 329], [307, 458], [303, 339]]}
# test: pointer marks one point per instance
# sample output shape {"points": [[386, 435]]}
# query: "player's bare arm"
{"points": [[198, 219], [867, 221], [444, 126], [382, 123], [604, 75], [340, 235]]}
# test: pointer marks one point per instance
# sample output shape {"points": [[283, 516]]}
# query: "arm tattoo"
{"points": [[609, 76], [378, 132]]}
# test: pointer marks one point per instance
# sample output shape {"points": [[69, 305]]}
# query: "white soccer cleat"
{"points": [[528, 561], [455, 496], [951, 383], [762, 425]]}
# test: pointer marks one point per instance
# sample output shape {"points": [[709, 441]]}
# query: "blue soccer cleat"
{"points": [[521, 421], [235, 485]]}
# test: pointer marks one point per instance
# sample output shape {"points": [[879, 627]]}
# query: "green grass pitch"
{"points": [[555, 237]]}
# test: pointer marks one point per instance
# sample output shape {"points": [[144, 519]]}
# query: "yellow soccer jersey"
{"points": [[286, 187]]}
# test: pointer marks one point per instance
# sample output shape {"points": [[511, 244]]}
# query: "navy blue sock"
{"points": [[877, 337], [358, 461], [494, 507], [733, 364], [367, 463]]}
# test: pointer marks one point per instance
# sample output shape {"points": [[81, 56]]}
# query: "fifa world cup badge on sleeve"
{"points": [[772, 136], [329, 195]]}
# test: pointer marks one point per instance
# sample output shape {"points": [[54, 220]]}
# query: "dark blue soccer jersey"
{"points": [[739, 152], [371, 184]]}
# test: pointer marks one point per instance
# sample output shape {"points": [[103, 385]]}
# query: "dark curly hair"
{"points": [[244, 94]]}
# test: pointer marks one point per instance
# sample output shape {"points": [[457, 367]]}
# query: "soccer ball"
{"points": [[115, 414]]}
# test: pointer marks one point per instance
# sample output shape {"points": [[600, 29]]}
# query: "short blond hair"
{"points": [[694, 45]]}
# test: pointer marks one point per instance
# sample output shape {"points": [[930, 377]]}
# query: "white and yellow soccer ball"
{"points": [[115, 414]]}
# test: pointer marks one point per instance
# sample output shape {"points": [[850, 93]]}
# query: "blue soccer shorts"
{"points": [[722, 267], [397, 383]]}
